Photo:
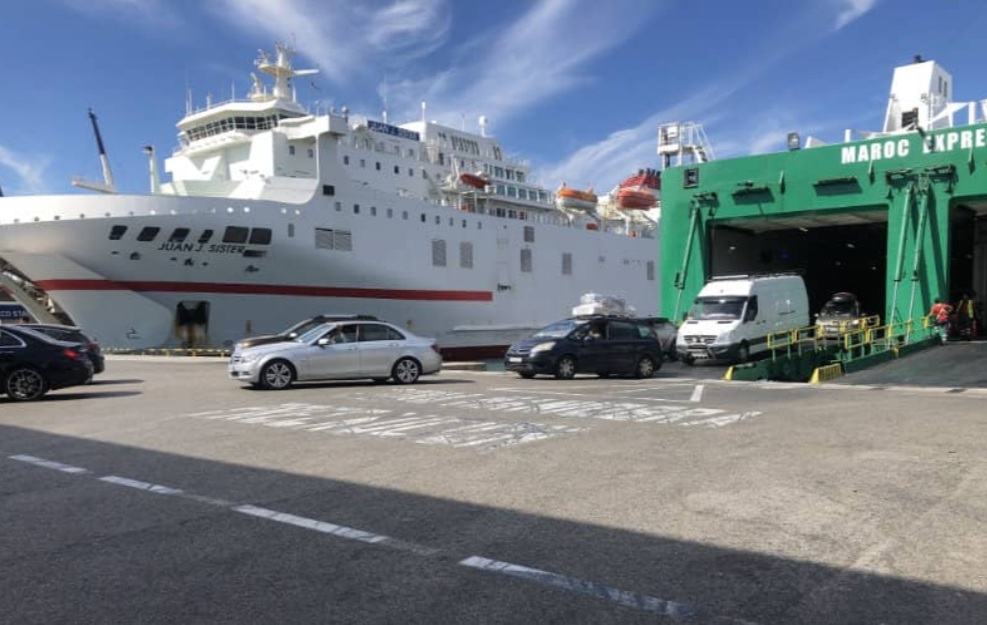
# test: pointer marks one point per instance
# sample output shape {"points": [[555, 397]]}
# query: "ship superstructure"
{"points": [[273, 213]]}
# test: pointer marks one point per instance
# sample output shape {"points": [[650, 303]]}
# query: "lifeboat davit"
{"points": [[639, 191], [575, 199], [473, 180]]}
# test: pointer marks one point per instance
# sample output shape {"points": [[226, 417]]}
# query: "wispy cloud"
{"points": [[342, 37], [28, 169], [541, 55], [624, 151], [851, 10]]}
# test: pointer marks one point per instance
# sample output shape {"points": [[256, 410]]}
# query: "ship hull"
{"points": [[459, 277]]}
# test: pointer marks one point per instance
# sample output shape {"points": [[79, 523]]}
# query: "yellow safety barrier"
{"points": [[826, 373]]}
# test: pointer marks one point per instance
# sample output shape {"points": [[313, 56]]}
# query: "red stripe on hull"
{"points": [[266, 289]]}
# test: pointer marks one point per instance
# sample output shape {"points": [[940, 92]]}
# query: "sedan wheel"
{"points": [[565, 368], [406, 371], [26, 384], [277, 375]]}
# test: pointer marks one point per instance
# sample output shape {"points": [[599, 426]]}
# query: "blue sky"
{"points": [[577, 87]]}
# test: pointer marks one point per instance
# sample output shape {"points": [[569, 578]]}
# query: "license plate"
{"points": [[514, 359]]}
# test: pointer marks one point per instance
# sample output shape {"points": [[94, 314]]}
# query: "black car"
{"points": [[31, 363], [297, 330], [72, 334], [604, 345]]}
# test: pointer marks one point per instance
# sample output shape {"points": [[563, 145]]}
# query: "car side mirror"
{"points": [[292, 335], [323, 342]]}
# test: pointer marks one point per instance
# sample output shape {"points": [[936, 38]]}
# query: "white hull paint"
{"points": [[127, 292]]}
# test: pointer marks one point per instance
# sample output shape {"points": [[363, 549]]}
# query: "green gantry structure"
{"points": [[900, 219]]}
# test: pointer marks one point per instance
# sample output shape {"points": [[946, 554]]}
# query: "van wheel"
{"points": [[565, 368], [645, 368], [743, 352]]}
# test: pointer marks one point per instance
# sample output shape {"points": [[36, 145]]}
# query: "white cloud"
{"points": [[29, 170], [342, 37], [852, 10]]}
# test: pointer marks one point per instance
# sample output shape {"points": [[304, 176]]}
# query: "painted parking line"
{"points": [[414, 426], [566, 406], [677, 611]]}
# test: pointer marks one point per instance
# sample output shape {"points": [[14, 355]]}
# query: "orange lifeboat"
{"points": [[639, 191], [473, 180], [633, 199], [575, 199]]}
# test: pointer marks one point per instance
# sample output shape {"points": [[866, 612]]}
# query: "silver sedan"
{"points": [[340, 350]]}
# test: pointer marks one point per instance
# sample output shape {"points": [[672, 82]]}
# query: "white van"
{"points": [[732, 316]]}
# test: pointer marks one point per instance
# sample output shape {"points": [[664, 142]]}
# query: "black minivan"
{"points": [[604, 345]]}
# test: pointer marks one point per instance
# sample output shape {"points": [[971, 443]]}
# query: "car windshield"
{"points": [[302, 327], [314, 333], [839, 307], [557, 330], [717, 308]]}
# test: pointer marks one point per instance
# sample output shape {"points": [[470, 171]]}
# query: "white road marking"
{"points": [[672, 609], [145, 486], [675, 610], [697, 393], [48, 464]]}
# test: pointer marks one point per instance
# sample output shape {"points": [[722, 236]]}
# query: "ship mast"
{"points": [[280, 68], [107, 186]]}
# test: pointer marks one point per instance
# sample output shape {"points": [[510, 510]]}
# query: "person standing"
{"points": [[964, 317], [939, 313]]}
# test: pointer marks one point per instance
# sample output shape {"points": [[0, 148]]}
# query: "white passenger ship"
{"points": [[274, 214]]}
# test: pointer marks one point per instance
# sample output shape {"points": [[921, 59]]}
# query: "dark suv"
{"points": [[297, 330], [604, 345]]}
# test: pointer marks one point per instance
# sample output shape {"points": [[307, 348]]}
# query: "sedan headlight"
{"points": [[248, 357], [543, 347]]}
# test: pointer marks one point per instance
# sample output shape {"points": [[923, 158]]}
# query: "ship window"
{"points": [[260, 236], [356, 209], [254, 253], [291, 150], [512, 214], [423, 217], [339, 206], [363, 162], [291, 230], [178, 235], [148, 233], [390, 213], [411, 171], [529, 234], [346, 159], [311, 153], [466, 255], [205, 236], [328, 189], [452, 222], [373, 211], [651, 271], [464, 223], [404, 215], [397, 169], [235, 234], [520, 176], [499, 172], [117, 232], [438, 220], [526, 260], [566, 263], [438, 252], [511, 191], [378, 165]]}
